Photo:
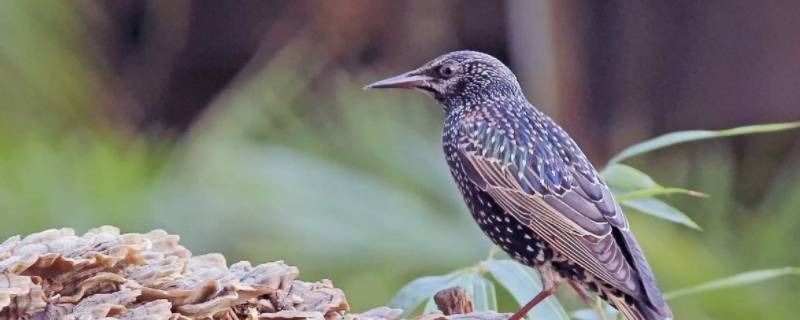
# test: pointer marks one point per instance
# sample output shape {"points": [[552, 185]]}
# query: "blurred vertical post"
{"points": [[549, 58], [531, 50]]}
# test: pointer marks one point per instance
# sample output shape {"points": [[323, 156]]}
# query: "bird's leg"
{"points": [[585, 297], [581, 293], [538, 298]]}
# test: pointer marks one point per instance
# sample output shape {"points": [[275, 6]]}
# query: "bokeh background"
{"points": [[242, 126]]}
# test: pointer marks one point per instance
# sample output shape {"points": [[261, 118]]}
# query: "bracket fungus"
{"points": [[103, 274]]}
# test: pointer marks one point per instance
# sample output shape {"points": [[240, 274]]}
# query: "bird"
{"points": [[531, 189]]}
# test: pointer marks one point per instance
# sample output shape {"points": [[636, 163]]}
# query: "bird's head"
{"points": [[458, 78]]}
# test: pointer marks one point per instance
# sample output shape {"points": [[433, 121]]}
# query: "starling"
{"points": [[531, 189]]}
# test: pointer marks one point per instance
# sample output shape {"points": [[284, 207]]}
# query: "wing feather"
{"points": [[574, 212]]}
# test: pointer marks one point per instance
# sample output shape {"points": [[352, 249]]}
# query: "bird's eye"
{"points": [[447, 71]]}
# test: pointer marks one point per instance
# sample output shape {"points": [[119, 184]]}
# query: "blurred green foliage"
{"points": [[344, 184]]}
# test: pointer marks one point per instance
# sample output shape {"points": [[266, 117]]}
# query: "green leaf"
{"points": [[630, 183], [483, 293], [626, 178], [430, 305], [694, 135], [591, 314], [742, 279], [636, 190], [415, 292], [659, 191], [480, 290], [660, 209], [523, 285]]}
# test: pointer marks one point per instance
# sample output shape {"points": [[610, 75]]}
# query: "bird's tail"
{"points": [[638, 310]]}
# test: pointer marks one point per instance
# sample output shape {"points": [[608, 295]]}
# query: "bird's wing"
{"points": [[538, 175]]}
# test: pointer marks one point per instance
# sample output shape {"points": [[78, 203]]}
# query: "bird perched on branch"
{"points": [[531, 189]]}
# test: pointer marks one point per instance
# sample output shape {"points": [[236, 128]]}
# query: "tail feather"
{"points": [[649, 313], [628, 311], [639, 310]]}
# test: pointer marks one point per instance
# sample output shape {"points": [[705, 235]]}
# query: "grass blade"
{"points": [[695, 135], [742, 279]]}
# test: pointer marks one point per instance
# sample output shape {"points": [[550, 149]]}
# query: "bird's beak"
{"points": [[407, 80]]}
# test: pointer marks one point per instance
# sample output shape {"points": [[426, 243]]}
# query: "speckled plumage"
{"points": [[530, 188]]}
